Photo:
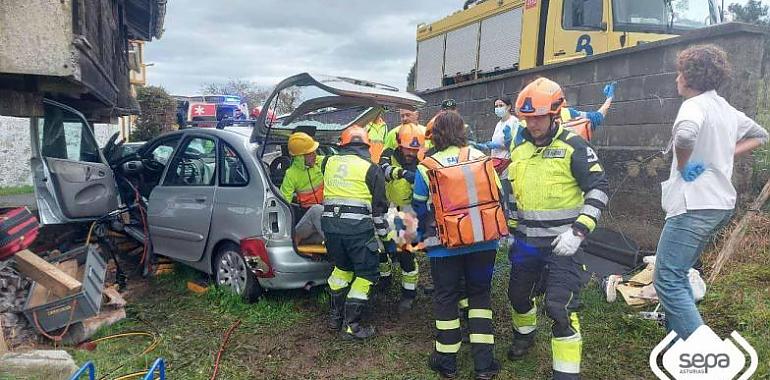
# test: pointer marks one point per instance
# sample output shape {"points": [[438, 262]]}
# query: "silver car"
{"points": [[209, 197]]}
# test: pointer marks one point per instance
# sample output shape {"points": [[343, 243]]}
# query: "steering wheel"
{"points": [[153, 166]]}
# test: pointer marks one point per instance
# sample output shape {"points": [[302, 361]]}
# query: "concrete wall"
{"points": [[639, 123], [16, 151]]}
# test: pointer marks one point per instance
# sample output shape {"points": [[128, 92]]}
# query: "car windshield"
{"points": [[655, 15]]}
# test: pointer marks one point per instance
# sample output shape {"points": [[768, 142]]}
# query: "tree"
{"points": [[754, 12], [410, 78], [249, 91], [158, 113]]}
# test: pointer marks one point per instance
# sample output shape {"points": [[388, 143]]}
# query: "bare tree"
{"points": [[249, 91]]}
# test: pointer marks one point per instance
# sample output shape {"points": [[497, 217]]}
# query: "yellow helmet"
{"points": [[301, 143]]}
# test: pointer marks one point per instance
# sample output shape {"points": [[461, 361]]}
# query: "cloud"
{"points": [[268, 40]]}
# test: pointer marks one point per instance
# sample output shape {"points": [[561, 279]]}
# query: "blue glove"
{"points": [[390, 246], [408, 175], [479, 146], [692, 170], [609, 90], [507, 136], [398, 224]]}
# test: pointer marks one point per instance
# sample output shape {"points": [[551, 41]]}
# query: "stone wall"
{"points": [[639, 123], [16, 151]]}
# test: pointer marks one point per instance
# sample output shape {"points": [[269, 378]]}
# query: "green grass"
{"points": [[16, 190], [284, 335]]}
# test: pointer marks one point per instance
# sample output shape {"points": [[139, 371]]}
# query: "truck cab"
{"points": [[494, 37]]}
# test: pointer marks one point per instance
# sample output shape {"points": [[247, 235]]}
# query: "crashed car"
{"points": [[207, 198]]}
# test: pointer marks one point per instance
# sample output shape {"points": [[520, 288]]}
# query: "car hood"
{"points": [[329, 104]]}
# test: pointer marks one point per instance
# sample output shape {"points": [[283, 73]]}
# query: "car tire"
{"points": [[232, 272]]}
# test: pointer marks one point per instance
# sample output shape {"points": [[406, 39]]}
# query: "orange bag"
{"points": [[466, 201], [581, 127]]}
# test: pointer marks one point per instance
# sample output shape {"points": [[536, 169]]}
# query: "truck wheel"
{"points": [[231, 271]]}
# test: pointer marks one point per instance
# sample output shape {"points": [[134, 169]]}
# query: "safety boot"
{"points": [[444, 364], [383, 284], [521, 345], [336, 308], [489, 373], [407, 301], [352, 328]]}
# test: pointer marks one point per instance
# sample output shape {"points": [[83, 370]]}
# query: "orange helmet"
{"points": [[354, 134], [541, 97], [410, 136], [429, 126]]}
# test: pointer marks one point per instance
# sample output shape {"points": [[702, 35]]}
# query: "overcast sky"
{"points": [[267, 40]]}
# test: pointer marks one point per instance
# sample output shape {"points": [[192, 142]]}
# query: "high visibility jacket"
{"points": [[377, 133], [558, 186], [306, 184], [354, 193], [398, 190]]}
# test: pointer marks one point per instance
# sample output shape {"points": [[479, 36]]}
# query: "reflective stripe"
{"points": [[409, 279], [448, 325], [346, 215], [447, 348], [463, 304], [566, 353], [586, 221], [385, 274], [525, 323], [339, 279], [480, 313], [534, 232], [598, 195], [482, 338], [419, 197], [591, 211], [378, 220], [473, 198], [575, 321], [545, 215], [346, 202], [360, 289]]}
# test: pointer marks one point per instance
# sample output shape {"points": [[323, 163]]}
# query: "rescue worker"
{"points": [[584, 123], [354, 206], [303, 182], [407, 117], [377, 129], [410, 140], [559, 190], [457, 272]]}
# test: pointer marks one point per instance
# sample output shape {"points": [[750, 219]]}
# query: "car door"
{"points": [[576, 28], [180, 207], [72, 179]]}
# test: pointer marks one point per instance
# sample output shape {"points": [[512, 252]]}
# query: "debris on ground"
{"points": [[38, 364]]}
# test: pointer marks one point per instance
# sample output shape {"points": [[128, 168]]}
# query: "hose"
{"points": [[222, 348]]}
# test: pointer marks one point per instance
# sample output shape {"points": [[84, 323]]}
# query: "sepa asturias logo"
{"points": [[703, 356]]}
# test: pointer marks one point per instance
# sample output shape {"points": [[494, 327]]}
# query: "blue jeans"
{"points": [[681, 243]]}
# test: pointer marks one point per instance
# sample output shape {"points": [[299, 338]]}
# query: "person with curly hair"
{"points": [[698, 197]]}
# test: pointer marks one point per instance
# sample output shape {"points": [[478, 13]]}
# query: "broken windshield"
{"points": [[656, 16]]}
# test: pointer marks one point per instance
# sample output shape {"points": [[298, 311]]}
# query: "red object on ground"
{"points": [[222, 348], [18, 229]]}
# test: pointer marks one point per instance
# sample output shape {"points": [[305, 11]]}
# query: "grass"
{"points": [[16, 190], [284, 335]]}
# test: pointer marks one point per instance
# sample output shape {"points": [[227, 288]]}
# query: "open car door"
{"points": [[72, 179]]}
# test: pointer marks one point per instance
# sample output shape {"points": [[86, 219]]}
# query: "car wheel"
{"points": [[231, 271]]}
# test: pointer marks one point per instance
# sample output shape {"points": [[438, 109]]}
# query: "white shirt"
{"points": [[719, 127], [499, 138]]}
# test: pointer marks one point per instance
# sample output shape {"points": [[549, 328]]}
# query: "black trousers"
{"points": [[535, 271], [449, 273], [357, 253]]}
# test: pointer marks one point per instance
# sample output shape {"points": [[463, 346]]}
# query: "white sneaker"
{"points": [[610, 287]]}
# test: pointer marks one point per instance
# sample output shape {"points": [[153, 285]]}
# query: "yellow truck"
{"points": [[490, 37]]}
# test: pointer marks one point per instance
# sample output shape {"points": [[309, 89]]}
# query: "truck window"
{"points": [[582, 14]]}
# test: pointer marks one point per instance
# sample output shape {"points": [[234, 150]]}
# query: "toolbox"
{"points": [[54, 313]]}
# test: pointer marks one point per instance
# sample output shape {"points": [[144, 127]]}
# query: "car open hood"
{"points": [[330, 104]]}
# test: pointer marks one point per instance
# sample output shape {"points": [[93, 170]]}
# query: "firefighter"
{"points": [[354, 206], [464, 270], [408, 117], [377, 129], [304, 182], [400, 179], [559, 190]]}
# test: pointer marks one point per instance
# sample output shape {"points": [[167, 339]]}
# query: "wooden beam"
{"points": [[57, 281], [3, 345]]}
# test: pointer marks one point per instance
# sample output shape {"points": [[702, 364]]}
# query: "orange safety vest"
{"points": [[579, 125], [466, 200]]}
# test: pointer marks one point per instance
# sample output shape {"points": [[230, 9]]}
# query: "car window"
{"points": [[195, 165], [582, 14], [162, 153], [64, 135], [233, 171]]}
